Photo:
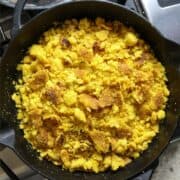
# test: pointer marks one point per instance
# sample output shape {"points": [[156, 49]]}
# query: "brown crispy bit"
{"points": [[155, 73], [109, 24], [143, 110], [117, 27], [106, 99], [52, 95], [159, 100], [60, 139], [61, 86], [51, 121], [38, 80], [140, 96], [97, 47], [139, 78], [100, 141], [80, 73], [88, 101], [65, 43], [113, 143], [35, 117], [124, 68], [140, 61], [123, 132], [119, 99], [67, 62], [42, 138], [143, 82], [85, 54]]}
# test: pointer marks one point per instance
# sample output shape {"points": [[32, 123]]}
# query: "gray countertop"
{"points": [[169, 164]]}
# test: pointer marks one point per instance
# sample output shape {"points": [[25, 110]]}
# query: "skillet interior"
{"points": [[165, 50]]}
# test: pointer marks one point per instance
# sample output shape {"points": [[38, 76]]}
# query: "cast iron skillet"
{"points": [[167, 52]]}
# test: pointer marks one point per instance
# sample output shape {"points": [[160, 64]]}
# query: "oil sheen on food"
{"points": [[91, 95]]}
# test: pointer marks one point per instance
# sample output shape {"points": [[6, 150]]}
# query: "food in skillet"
{"points": [[91, 95]]}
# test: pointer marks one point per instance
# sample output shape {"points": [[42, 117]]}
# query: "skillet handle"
{"points": [[17, 24], [165, 19], [8, 171], [7, 136], [17, 17]]}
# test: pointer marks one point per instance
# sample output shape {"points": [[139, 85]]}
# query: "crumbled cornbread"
{"points": [[91, 95]]}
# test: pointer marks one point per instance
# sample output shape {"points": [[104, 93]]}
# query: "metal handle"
{"points": [[17, 17], [8, 171], [165, 19], [7, 137]]}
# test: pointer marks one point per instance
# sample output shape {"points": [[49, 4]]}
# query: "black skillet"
{"points": [[167, 52]]}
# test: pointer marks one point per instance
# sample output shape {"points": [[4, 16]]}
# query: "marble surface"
{"points": [[169, 164]]}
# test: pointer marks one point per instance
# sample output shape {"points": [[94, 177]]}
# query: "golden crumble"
{"points": [[91, 95]]}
